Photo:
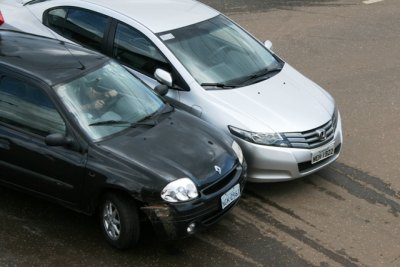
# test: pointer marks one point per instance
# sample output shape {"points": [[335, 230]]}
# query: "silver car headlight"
{"points": [[269, 139], [180, 190], [238, 151]]}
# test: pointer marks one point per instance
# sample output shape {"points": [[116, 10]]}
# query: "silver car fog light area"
{"points": [[180, 190], [268, 139]]}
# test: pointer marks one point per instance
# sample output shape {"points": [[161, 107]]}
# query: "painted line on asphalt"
{"points": [[368, 2]]}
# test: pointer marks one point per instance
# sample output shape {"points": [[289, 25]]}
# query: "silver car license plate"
{"points": [[230, 196], [323, 153]]}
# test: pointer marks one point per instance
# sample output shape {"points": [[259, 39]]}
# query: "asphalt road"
{"points": [[344, 215]]}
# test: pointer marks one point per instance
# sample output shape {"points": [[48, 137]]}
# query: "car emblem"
{"points": [[321, 134], [217, 169]]}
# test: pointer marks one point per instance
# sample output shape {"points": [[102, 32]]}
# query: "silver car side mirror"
{"points": [[268, 44], [164, 77]]}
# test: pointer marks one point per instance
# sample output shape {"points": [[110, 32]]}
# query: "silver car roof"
{"points": [[156, 15]]}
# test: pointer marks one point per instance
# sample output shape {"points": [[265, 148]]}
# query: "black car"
{"points": [[79, 129]]}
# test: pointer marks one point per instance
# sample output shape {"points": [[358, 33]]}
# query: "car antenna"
{"points": [[77, 59]]}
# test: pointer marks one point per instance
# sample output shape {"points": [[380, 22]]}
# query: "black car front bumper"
{"points": [[172, 220]]}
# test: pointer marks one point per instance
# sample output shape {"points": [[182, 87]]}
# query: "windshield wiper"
{"points": [[125, 123], [219, 85], [108, 122], [147, 117], [143, 121], [264, 73], [140, 123], [165, 109]]}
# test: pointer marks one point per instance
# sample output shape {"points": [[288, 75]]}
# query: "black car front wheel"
{"points": [[119, 220]]}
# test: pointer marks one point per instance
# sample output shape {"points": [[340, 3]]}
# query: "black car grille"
{"points": [[313, 138], [221, 183], [214, 212], [207, 209]]}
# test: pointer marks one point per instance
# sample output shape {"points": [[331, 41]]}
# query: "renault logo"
{"points": [[321, 134], [217, 169]]}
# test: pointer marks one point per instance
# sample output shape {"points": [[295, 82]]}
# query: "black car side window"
{"points": [[28, 107], [132, 48], [82, 26]]}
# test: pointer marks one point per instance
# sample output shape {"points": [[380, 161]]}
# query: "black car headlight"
{"points": [[238, 151], [180, 190]]}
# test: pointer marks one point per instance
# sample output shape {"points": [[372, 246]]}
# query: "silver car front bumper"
{"points": [[274, 164]]}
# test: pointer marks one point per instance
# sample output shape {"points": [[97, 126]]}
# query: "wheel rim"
{"points": [[111, 221]]}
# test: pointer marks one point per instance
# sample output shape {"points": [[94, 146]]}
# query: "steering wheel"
{"points": [[110, 101], [106, 108]]}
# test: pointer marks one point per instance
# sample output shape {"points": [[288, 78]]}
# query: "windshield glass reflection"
{"points": [[108, 100], [217, 51]]}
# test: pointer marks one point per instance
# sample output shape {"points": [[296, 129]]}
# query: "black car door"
{"points": [[27, 116]]}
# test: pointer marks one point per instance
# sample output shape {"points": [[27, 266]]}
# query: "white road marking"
{"points": [[367, 2]]}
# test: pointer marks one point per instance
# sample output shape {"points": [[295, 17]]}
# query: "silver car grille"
{"points": [[313, 138]]}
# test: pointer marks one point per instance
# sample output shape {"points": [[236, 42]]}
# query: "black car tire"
{"points": [[119, 220]]}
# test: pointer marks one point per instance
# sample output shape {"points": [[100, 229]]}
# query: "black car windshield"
{"points": [[108, 100], [218, 52]]}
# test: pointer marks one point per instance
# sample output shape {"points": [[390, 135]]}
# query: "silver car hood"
{"points": [[286, 102]]}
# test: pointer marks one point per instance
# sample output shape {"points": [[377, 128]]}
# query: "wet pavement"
{"points": [[339, 217]]}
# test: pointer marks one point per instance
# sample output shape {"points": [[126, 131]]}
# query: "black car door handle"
{"points": [[4, 144]]}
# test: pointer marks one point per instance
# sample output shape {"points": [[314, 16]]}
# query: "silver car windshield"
{"points": [[108, 100], [218, 53]]}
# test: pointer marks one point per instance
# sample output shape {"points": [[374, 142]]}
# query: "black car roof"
{"points": [[50, 60]]}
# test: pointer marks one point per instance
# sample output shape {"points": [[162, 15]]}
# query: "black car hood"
{"points": [[179, 145]]}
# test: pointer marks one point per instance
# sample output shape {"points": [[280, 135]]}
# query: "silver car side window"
{"points": [[132, 48], [80, 25]]}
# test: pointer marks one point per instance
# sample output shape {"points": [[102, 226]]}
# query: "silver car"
{"points": [[287, 125]]}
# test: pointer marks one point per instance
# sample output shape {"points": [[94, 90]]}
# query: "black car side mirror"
{"points": [[57, 139], [161, 89]]}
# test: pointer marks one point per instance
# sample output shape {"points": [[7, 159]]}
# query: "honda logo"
{"points": [[217, 169], [321, 134]]}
